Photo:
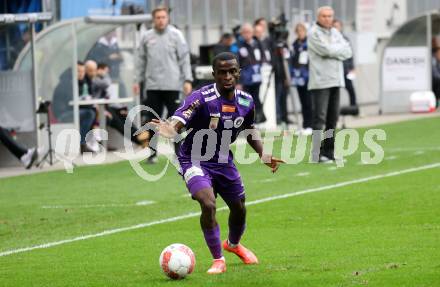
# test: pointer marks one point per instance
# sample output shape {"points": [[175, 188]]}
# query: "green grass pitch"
{"points": [[380, 232]]}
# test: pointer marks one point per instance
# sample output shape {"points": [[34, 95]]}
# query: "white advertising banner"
{"points": [[406, 69], [381, 17]]}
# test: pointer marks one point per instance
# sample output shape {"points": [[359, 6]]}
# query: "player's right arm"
{"points": [[168, 129], [181, 118]]}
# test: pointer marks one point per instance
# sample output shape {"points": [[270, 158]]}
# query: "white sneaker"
{"points": [[29, 158], [307, 132], [324, 159], [304, 132]]}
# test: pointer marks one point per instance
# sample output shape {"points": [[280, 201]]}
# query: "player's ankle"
{"points": [[221, 258], [232, 245]]}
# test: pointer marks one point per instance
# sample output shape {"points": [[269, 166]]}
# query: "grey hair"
{"points": [[322, 8], [247, 25]]}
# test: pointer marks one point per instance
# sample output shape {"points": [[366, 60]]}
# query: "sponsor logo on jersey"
{"points": [[244, 102], [189, 111], [228, 109]]}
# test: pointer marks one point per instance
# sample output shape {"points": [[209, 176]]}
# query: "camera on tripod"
{"points": [[43, 107], [278, 30]]}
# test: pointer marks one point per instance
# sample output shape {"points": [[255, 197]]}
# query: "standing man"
{"points": [[260, 34], [250, 58], [300, 77], [327, 49], [162, 63], [348, 67], [436, 75], [217, 108]]}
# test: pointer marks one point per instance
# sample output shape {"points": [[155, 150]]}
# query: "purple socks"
{"points": [[212, 238]]}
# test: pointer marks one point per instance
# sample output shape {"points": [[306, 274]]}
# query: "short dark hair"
{"points": [[224, 56], [102, 66], [226, 36], [259, 20], [80, 63]]}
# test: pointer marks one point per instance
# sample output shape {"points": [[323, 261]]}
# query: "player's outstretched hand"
{"points": [[165, 129], [272, 162]]}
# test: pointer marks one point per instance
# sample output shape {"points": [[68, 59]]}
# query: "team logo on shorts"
{"points": [[238, 122]]}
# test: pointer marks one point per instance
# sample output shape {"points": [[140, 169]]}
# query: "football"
{"points": [[177, 261]]}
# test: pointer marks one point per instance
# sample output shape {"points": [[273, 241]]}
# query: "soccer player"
{"points": [[217, 110]]}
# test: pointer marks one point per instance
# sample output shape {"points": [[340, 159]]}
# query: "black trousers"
{"points": [[325, 116], [157, 100], [17, 150], [281, 93], [436, 90], [254, 91], [351, 92], [306, 106], [117, 122]]}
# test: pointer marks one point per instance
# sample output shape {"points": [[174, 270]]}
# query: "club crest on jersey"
{"points": [[228, 109], [214, 123], [238, 122], [188, 112]]}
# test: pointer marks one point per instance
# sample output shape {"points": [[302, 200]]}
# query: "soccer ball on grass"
{"points": [[177, 261]]}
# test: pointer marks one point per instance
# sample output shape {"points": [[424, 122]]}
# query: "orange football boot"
{"points": [[247, 256], [218, 267]]}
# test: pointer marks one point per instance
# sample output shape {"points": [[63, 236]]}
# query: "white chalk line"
{"points": [[139, 203], [392, 157], [303, 174], [410, 149], [195, 214]]}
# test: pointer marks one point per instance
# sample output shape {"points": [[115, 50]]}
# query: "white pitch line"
{"points": [[268, 179], [140, 203], [392, 157], [303, 174], [412, 149], [195, 214]]}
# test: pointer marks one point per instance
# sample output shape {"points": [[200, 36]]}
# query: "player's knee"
{"points": [[238, 207], [208, 206], [241, 211]]}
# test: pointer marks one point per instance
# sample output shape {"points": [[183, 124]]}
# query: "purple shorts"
{"points": [[224, 179]]}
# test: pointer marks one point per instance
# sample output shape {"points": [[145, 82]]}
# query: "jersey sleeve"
{"points": [[189, 108], [249, 119]]}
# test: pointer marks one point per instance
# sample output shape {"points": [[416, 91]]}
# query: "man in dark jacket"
{"points": [[63, 94], [250, 60]]}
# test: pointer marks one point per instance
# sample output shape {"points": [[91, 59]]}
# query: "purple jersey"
{"points": [[215, 122]]}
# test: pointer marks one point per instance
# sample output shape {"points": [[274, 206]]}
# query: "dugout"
{"points": [[52, 56], [406, 62]]}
